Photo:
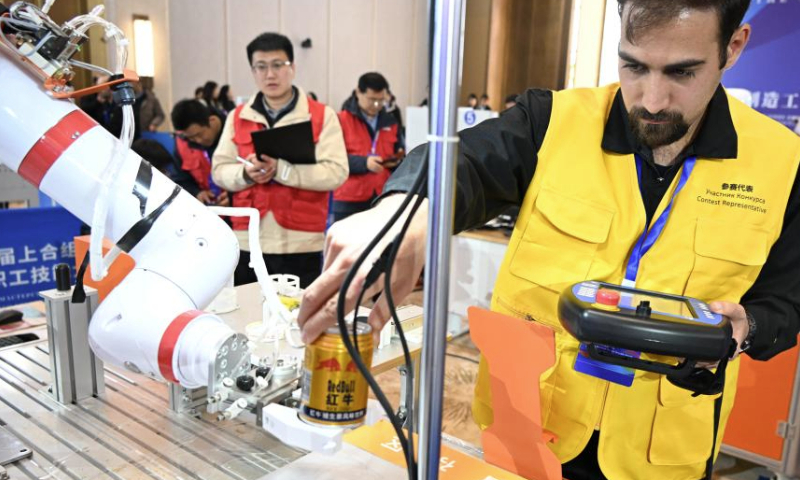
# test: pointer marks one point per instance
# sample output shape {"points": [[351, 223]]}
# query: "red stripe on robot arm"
{"points": [[166, 348], [49, 148]]}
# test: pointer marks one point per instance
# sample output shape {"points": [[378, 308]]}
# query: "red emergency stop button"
{"points": [[607, 298]]}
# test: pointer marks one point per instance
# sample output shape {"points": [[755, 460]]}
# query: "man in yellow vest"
{"points": [[594, 169]]}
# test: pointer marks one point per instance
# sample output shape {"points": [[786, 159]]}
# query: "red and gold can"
{"points": [[334, 391]]}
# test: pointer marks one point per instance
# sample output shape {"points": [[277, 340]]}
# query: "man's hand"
{"points": [[343, 245], [738, 319], [206, 197], [391, 162], [223, 200], [374, 164], [263, 170], [153, 127]]}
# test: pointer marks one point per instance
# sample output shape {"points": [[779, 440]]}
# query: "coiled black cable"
{"points": [[378, 268]]}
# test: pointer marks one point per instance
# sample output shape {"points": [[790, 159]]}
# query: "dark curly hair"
{"points": [[646, 14]]}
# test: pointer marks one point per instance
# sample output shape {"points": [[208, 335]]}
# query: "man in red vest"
{"points": [[374, 145], [199, 130], [292, 198]]}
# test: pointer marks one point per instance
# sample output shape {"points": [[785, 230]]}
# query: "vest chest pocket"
{"points": [[728, 258], [560, 240]]}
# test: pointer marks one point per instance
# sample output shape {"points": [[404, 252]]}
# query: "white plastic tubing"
{"points": [[110, 174], [274, 311]]}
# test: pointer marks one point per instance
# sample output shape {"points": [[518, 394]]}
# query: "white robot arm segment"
{"points": [[151, 322]]}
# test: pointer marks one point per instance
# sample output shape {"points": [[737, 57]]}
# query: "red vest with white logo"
{"points": [[195, 161], [363, 187], [294, 208]]}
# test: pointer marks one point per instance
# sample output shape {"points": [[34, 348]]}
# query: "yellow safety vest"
{"points": [[581, 215]]}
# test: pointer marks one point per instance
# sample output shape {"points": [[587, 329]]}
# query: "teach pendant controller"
{"points": [[617, 324]]}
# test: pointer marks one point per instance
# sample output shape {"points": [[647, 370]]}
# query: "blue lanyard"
{"points": [[649, 237], [375, 140]]}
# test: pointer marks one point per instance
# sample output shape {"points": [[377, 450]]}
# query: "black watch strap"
{"points": [[751, 334]]}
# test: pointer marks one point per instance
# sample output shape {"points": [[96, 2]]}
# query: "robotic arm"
{"points": [[153, 321]]}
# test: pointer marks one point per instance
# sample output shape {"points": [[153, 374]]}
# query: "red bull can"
{"points": [[334, 391]]}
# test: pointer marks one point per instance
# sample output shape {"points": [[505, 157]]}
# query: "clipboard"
{"points": [[293, 143]]}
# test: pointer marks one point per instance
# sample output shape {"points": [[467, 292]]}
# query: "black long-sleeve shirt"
{"points": [[497, 160]]}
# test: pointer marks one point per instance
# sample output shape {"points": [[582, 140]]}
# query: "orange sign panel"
{"points": [[763, 400], [517, 352]]}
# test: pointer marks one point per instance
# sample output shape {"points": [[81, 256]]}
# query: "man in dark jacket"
{"points": [[374, 145], [199, 130]]}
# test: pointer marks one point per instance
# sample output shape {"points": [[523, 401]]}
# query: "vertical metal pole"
{"points": [[443, 151]]}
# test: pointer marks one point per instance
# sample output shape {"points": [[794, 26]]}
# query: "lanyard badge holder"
{"points": [[375, 142]]}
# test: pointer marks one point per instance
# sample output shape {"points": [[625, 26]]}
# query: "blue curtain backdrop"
{"points": [[770, 65]]}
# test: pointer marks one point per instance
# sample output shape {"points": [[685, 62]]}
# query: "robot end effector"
{"points": [[46, 50]]}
